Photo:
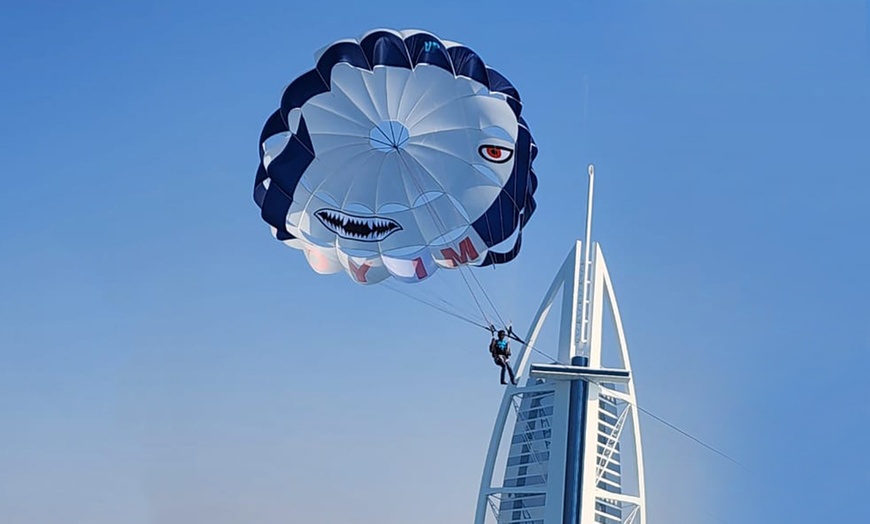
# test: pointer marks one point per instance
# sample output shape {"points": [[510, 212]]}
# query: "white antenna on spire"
{"points": [[587, 261]]}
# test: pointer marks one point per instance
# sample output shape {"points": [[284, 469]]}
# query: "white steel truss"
{"points": [[576, 432]]}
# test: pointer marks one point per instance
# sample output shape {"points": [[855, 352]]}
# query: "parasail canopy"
{"points": [[398, 154]]}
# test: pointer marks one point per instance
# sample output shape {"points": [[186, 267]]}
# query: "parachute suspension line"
{"points": [[434, 300], [459, 309], [488, 299], [640, 408], [436, 306], [510, 334], [473, 295], [465, 272], [483, 289], [439, 223]]}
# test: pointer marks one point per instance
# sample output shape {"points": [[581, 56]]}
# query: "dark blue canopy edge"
{"points": [[511, 209]]}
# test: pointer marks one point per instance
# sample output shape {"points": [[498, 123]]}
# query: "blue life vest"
{"points": [[501, 346]]}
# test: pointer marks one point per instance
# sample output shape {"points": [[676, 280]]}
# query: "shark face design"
{"points": [[353, 227], [398, 154]]}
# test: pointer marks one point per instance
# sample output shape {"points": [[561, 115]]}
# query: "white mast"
{"points": [[587, 262], [569, 453]]}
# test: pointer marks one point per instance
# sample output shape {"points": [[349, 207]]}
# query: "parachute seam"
{"points": [[362, 125], [317, 188], [436, 219], [460, 267]]}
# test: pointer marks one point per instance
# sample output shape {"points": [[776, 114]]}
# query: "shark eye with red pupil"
{"points": [[495, 154]]}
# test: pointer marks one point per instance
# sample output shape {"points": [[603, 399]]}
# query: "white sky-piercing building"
{"points": [[566, 445]]}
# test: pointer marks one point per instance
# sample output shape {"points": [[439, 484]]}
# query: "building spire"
{"points": [[587, 263]]}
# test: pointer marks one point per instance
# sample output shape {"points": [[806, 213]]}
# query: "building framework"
{"points": [[567, 438]]}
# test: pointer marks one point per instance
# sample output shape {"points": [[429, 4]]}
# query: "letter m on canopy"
{"points": [[466, 253]]}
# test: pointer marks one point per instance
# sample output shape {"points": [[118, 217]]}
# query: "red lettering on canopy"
{"points": [[359, 272], [317, 260], [466, 253], [420, 268]]}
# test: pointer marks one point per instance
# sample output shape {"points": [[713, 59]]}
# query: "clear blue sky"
{"points": [[164, 360]]}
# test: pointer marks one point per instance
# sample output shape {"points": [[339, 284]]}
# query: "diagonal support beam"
{"points": [[610, 446]]}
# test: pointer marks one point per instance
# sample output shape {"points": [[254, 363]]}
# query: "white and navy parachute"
{"points": [[399, 153]]}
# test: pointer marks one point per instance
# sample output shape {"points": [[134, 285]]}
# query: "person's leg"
{"points": [[511, 373], [501, 364]]}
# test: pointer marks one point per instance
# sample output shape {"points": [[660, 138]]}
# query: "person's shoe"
{"points": [[503, 382]]}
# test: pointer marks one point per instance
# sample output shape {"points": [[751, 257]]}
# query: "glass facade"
{"points": [[529, 455], [608, 468], [528, 459]]}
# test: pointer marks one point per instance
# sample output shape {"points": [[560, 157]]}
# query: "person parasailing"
{"points": [[500, 349]]}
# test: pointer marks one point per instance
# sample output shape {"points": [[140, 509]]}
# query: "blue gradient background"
{"points": [[164, 360]]}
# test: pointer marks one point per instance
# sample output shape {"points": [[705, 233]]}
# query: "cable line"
{"points": [[513, 336], [693, 438], [442, 228]]}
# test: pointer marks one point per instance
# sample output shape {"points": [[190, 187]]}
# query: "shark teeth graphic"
{"points": [[355, 227]]}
